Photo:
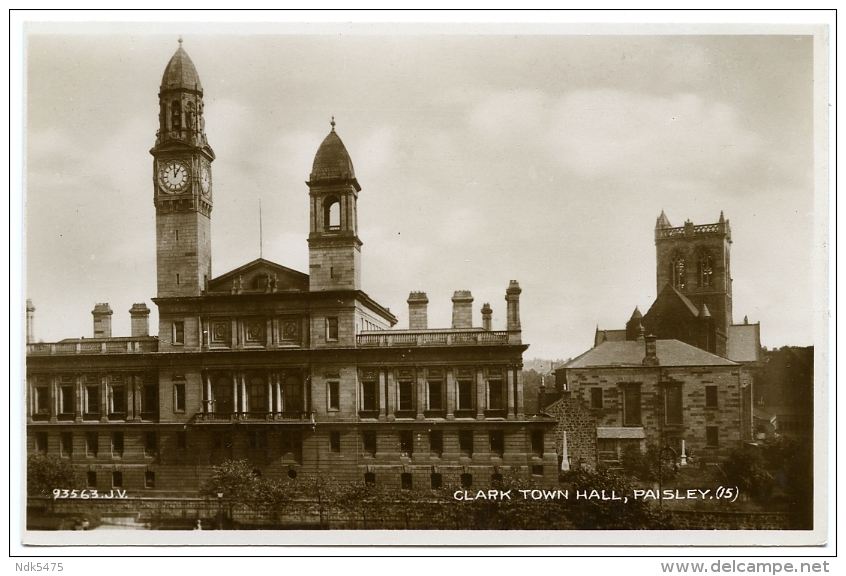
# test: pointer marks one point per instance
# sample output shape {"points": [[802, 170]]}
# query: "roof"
{"points": [[631, 353], [332, 161], [608, 336], [181, 73], [663, 221], [259, 276], [744, 342]]}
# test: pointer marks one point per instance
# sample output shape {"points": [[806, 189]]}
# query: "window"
{"points": [[710, 396], [117, 479], [436, 443], [257, 439], [92, 400], [677, 272], [332, 328], [631, 405], [92, 444], [406, 396], [181, 440], [42, 399], [466, 480], [331, 214], [334, 400], [712, 436], [335, 441], [596, 398], [117, 400], [149, 479], [465, 394], [437, 481], [369, 441], [405, 480], [673, 404], [406, 443], [179, 397], [67, 398], [91, 479], [151, 443], [465, 442], [368, 396], [176, 115], [495, 395], [537, 470], [257, 395], [706, 270], [149, 400], [41, 442], [370, 478], [497, 442], [67, 444], [222, 392], [436, 395], [292, 446], [292, 473], [537, 443], [117, 443], [292, 392], [179, 332]]}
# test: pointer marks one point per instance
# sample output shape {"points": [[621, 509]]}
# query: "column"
{"points": [[233, 335], [234, 392], [268, 375], [450, 394], [79, 397], [511, 390], [54, 399], [208, 404], [279, 407], [104, 398], [268, 334], [136, 379], [421, 392], [481, 396], [245, 405], [383, 395], [391, 394], [519, 377], [131, 413]]}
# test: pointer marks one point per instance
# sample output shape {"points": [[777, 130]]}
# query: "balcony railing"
{"points": [[93, 347], [697, 230], [252, 417], [402, 339]]}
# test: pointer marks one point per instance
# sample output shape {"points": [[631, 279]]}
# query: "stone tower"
{"points": [[182, 183], [334, 259], [695, 260]]}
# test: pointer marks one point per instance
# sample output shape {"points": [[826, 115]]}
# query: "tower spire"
{"points": [[332, 123], [261, 234]]}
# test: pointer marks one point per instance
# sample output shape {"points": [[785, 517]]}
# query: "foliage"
{"points": [[791, 463], [596, 514], [746, 469], [646, 465], [235, 480], [47, 473]]}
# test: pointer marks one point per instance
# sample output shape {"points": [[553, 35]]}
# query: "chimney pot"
{"points": [[462, 309], [418, 318], [102, 320], [139, 313]]}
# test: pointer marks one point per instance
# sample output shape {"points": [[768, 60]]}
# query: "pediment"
{"points": [[260, 276]]}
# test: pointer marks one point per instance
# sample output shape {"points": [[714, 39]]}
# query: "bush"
{"points": [[645, 465], [746, 469], [47, 473]]}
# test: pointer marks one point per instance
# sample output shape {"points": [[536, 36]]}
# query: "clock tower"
{"points": [[182, 183]]}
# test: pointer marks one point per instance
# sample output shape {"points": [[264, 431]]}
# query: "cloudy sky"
{"points": [[543, 158]]}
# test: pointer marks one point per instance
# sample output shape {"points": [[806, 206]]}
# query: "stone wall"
{"points": [[580, 425]]}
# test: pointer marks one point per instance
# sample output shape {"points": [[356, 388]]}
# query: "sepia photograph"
{"points": [[424, 284]]}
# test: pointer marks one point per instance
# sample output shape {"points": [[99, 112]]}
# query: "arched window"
{"points": [[176, 115], [222, 392], [706, 270], [258, 394], [677, 278], [332, 214]]}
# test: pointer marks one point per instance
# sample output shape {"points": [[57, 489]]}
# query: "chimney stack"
{"points": [[486, 316], [140, 319], [418, 317], [462, 309], [512, 296], [102, 320], [651, 358], [30, 322]]}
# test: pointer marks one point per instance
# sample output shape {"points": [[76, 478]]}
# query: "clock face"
{"points": [[205, 180], [173, 176]]}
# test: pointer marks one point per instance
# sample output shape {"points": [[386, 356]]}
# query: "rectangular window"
{"points": [[335, 441], [67, 444], [406, 396], [42, 399], [437, 481], [334, 399], [497, 442], [181, 440], [406, 438], [332, 328], [631, 405], [710, 396], [41, 442], [151, 443], [673, 404], [495, 395], [465, 442], [712, 436], [537, 470], [92, 400], [91, 478], [117, 400], [368, 396], [596, 398], [465, 394], [179, 397], [179, 332], [149, 400], [369, 441], [292, 446], [257, 390], [117, 443], [117, 479], [405, 481], [537, 442], [92, 444], [67, 398], [149, 479], [436, 395], [436, 443]]}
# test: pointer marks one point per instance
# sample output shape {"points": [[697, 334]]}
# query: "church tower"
{"points": [[182, 183], [334, 249], [695, 260]]}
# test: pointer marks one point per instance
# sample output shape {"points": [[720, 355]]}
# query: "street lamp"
{"points": [[220, 510], [661, 454]]}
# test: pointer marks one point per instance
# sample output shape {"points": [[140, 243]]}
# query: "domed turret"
{"points": [[332, 161], [180, 73]]}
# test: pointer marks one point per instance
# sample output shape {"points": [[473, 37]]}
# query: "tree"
{"points": [[236, 481], [646, 465], [47, 473], [746, 468]]}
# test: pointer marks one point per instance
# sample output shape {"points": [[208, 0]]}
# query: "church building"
{"points": [[296, 373]]}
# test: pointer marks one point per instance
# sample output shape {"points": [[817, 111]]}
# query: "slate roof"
{"points": [[332, 160], [181, 73], [631, 353], [608, 336], [744, 342]]}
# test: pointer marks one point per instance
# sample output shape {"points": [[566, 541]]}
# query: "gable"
{"points": [[671, 316], [260, 276]]}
